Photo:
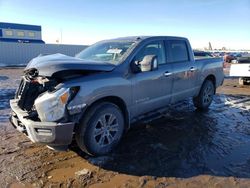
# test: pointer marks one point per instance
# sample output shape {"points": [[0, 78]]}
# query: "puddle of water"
{"points": [[213, 142], [2, 78], [5, 96]]}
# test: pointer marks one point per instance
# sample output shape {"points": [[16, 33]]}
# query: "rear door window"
{"points": [[177, 51]]}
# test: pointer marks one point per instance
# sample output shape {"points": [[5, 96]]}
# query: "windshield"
{"points": [[107, 51]]}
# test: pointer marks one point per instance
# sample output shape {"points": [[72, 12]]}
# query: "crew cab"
{"points": [[97, 95]]}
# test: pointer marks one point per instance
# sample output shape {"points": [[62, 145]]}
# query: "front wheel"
{"points": [[205, 97], [101, 129]]}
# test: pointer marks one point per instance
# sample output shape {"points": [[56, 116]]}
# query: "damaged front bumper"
{"points": [[50, 133]]}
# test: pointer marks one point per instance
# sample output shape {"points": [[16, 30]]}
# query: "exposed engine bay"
{"points": [[30, 88], [38, 93]]}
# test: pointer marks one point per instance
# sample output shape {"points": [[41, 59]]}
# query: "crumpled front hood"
{"points": [[50, 65]]}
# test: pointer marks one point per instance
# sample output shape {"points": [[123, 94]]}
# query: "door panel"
{"points": [[184, 80], [152, 89], [184, 70]]}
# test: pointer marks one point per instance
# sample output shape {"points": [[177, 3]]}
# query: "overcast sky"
{"points": [[222, 22]]}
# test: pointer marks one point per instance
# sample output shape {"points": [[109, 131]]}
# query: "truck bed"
{"points": [[208, 59]]}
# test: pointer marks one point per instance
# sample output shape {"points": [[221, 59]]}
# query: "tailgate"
{"points": [[240, 70]]}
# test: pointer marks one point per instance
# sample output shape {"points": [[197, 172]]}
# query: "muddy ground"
{"points": [[182, 148]]}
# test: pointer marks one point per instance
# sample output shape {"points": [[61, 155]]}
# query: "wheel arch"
{"points": [[212, 78], [117, 101]]}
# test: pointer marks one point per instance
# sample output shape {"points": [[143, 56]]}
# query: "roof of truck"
{"points": [[139, 38]]}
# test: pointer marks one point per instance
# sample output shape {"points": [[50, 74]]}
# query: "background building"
{"points": [[21, 33], [19, 43]]}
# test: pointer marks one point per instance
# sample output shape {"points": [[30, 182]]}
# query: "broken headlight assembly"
{"points": [[51, 106]]}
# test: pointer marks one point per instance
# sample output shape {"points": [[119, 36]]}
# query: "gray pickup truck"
{"points": [[98, 94]]}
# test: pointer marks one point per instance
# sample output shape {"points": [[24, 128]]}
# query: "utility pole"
{"points": [[210, 46], [61, 34]]}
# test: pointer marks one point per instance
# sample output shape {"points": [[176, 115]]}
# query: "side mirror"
{"points": [[149, 63]]}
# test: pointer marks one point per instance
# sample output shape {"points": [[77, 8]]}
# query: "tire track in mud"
{"points": [[239, 102]]}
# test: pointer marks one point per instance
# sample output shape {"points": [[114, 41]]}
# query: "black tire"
{"points": [[98, 120], [205, 97], [243, 81]]}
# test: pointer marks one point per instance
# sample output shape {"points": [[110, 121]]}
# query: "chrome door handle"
{"points": [[192, 69], [167, 74]]}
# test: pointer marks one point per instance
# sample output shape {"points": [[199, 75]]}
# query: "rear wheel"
{"points": [[101, 129], [242, 82], [205, 97]]}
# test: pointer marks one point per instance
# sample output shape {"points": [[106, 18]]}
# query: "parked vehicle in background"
{"points": [[109, 85], [238, 55], [216, 54], [241, 69], [228, 57]]}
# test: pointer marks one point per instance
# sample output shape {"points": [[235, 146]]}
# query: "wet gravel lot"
{"points": [[182, 148]]}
